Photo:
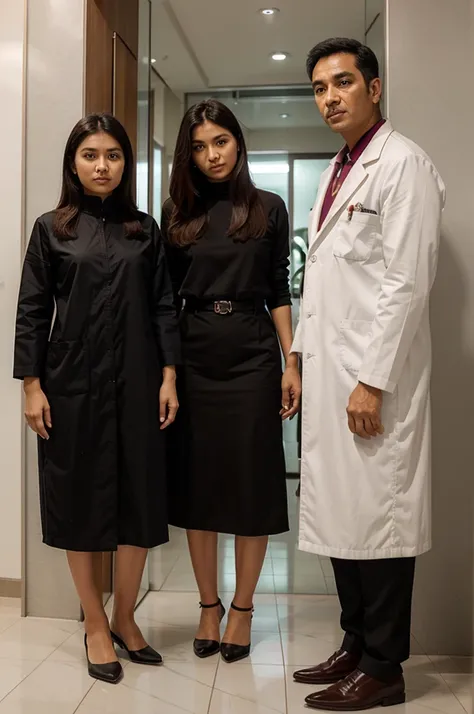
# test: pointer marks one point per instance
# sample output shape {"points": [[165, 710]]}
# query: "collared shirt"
{"points": [[345, 161]]}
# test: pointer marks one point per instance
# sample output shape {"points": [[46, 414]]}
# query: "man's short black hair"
{"points": [[365, 60]]}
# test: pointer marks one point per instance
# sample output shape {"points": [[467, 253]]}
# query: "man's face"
{"points": [[342, 95]]}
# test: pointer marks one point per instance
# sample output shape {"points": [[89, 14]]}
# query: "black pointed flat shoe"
{"points": [[110, 672], [147, 655], [233, 653], [207, 648]]}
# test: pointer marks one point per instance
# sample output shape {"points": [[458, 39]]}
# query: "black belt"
{"points": [[224, 307]]}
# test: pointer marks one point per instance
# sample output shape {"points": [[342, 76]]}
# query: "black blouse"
{"points": [[110, 296], [218, 267]]}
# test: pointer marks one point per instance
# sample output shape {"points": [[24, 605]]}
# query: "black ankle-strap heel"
{"points": [[233, 653], [207, 648]]}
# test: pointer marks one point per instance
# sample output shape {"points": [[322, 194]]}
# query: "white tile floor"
{"points": [[43, 668], [42, 664]]}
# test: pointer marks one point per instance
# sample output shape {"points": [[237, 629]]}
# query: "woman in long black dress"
{"points": [[97, 387], [227, 246]]}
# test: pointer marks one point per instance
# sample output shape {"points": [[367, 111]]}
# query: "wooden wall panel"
{"points": [[99, 61], [122, 17], [126, 23], [111, 85], [125, 105]]}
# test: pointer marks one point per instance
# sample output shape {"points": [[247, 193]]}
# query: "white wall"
{"points": [[12, 23], [429, 60], [375, 36], [55, 89]]}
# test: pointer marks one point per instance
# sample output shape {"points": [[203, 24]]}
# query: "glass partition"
{"points": [[143, 124], [143, 149], [271, 172], [306, 173], [295, 179]]}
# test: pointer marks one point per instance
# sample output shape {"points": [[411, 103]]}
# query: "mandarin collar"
{"points": [[95, 206]]}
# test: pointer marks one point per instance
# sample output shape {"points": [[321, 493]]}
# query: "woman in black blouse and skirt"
{"points": [[227, 246]]}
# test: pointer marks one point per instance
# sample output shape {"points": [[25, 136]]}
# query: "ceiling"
{"points": [[204, 44]]}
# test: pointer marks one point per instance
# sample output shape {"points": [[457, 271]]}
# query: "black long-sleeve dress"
{"points": [[102, 472], [226, 460]]}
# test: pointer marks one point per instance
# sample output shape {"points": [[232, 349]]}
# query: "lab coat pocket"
{"points": [[67, 368], [354, 337], [355, 238]]}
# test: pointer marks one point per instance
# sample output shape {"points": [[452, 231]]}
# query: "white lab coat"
{"points": [[365, 317]]}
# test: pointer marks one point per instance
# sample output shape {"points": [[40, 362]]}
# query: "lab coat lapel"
{"points": [[317, 208], [357, 176]]}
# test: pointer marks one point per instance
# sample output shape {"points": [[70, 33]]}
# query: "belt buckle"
{"points": [[223, 307]]}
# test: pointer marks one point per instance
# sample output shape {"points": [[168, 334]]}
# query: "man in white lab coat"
{"points": [[364, 339]]}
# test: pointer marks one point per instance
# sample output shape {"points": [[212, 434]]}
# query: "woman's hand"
{"points": [[37, 409], [290, 390], [168, 398]]}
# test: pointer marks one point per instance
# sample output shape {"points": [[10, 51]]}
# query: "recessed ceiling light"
{"points": [[153, 61], [284, 116], [269, 11], [279, 56]]}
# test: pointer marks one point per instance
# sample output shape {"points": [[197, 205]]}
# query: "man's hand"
{"points": [[363, 411]]}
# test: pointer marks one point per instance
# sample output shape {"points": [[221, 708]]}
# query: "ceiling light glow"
{"points": [[279, 56], [269, 11], [284, 116]]}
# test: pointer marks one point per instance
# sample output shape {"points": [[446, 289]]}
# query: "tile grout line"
{"points": [[166, 580], [85, 696], [213, 688], [59, 647], [12, 625], [442, 676], [2, 699], [39, 663], [153, 696], [460, 702], [448, 685], [243, 699], [282, 657], [45, 659]]}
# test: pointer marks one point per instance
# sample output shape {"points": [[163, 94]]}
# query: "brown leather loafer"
{"points": [[337, 667], [356, 692]]}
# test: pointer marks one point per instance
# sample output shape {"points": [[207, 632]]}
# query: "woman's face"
{"points": [[215, 151], [99, 163]]}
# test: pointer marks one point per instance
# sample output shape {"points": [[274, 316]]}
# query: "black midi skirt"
{"points": [[226, 461]]}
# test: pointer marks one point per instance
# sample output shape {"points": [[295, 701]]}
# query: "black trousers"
{"points": [[376, 597]]}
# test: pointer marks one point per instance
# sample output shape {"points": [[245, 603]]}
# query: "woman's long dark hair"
{"points": [[188, 184], [72, 192]]}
